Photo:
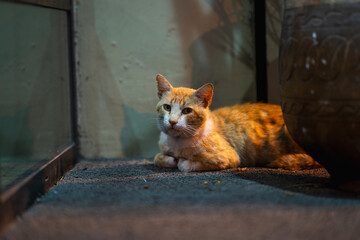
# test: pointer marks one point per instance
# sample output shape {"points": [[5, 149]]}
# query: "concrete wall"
{"points": [[122, 45]]}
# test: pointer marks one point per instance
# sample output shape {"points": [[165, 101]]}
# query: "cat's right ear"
{"points": [[163, 85], [205, 94]]}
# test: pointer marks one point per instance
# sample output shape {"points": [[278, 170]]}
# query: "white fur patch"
{"points": [[163, 141], [175, 113], [166, 120], [188, 166], [182, 121], [173, 144], [169, 162]]}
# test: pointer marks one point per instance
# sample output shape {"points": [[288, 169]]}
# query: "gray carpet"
{"points": [[109, 199]]}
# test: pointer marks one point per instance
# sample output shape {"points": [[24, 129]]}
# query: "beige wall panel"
{"points": [[122, 45]]}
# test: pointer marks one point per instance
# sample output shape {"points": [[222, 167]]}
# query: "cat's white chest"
{"points": [[174, 145]]}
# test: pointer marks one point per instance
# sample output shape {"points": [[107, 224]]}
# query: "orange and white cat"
{"points": [[193, 138]]}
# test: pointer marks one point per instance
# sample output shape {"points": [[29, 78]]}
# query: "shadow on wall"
{"points": [[222, 67], [138, 134], [108, 126], [223, 56], [98, 94]]}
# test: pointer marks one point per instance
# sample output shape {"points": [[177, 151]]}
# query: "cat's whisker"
{"points": [[190, 130], [190, 127]]}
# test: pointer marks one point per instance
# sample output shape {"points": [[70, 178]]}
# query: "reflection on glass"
{"points": [[34, 92]]}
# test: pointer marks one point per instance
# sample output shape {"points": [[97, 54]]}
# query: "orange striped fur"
{"points": [[193, 138]]}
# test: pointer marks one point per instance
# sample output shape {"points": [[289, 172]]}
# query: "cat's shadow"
{"points": [[314, 182]]}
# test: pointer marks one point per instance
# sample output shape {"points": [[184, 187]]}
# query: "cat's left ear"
{"points": [[163, 85], [205, 94]]}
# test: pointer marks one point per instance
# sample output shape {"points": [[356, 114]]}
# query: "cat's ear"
{"points": [[205, 94], [163, 85]]}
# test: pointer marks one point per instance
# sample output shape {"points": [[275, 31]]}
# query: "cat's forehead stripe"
{"points": [[180, 95], [180, 101]]}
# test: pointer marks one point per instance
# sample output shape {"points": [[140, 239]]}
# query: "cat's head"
{"points": [[182, 112]]}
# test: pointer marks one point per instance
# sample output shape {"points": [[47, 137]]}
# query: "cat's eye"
{"points": [[186, 110], [167, 107]]}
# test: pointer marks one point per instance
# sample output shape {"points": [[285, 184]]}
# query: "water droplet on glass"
{"points": [[304, 130]]}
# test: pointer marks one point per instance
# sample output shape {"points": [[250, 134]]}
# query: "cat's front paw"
{"points": [[185, 165], [163, 160]]}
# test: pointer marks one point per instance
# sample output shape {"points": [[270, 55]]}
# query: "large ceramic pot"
{"points": [[320, 85]]}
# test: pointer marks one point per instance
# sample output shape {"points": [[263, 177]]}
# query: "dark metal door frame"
{"points": [[260, 50], [15, 200]]}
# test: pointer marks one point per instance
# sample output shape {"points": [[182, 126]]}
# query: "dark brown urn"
{"points": [[320, 85]]}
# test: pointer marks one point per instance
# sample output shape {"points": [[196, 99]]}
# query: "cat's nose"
{"points": [[172, 123]]}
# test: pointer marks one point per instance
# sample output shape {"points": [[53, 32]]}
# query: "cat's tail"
{"points": [[297, 161]]}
